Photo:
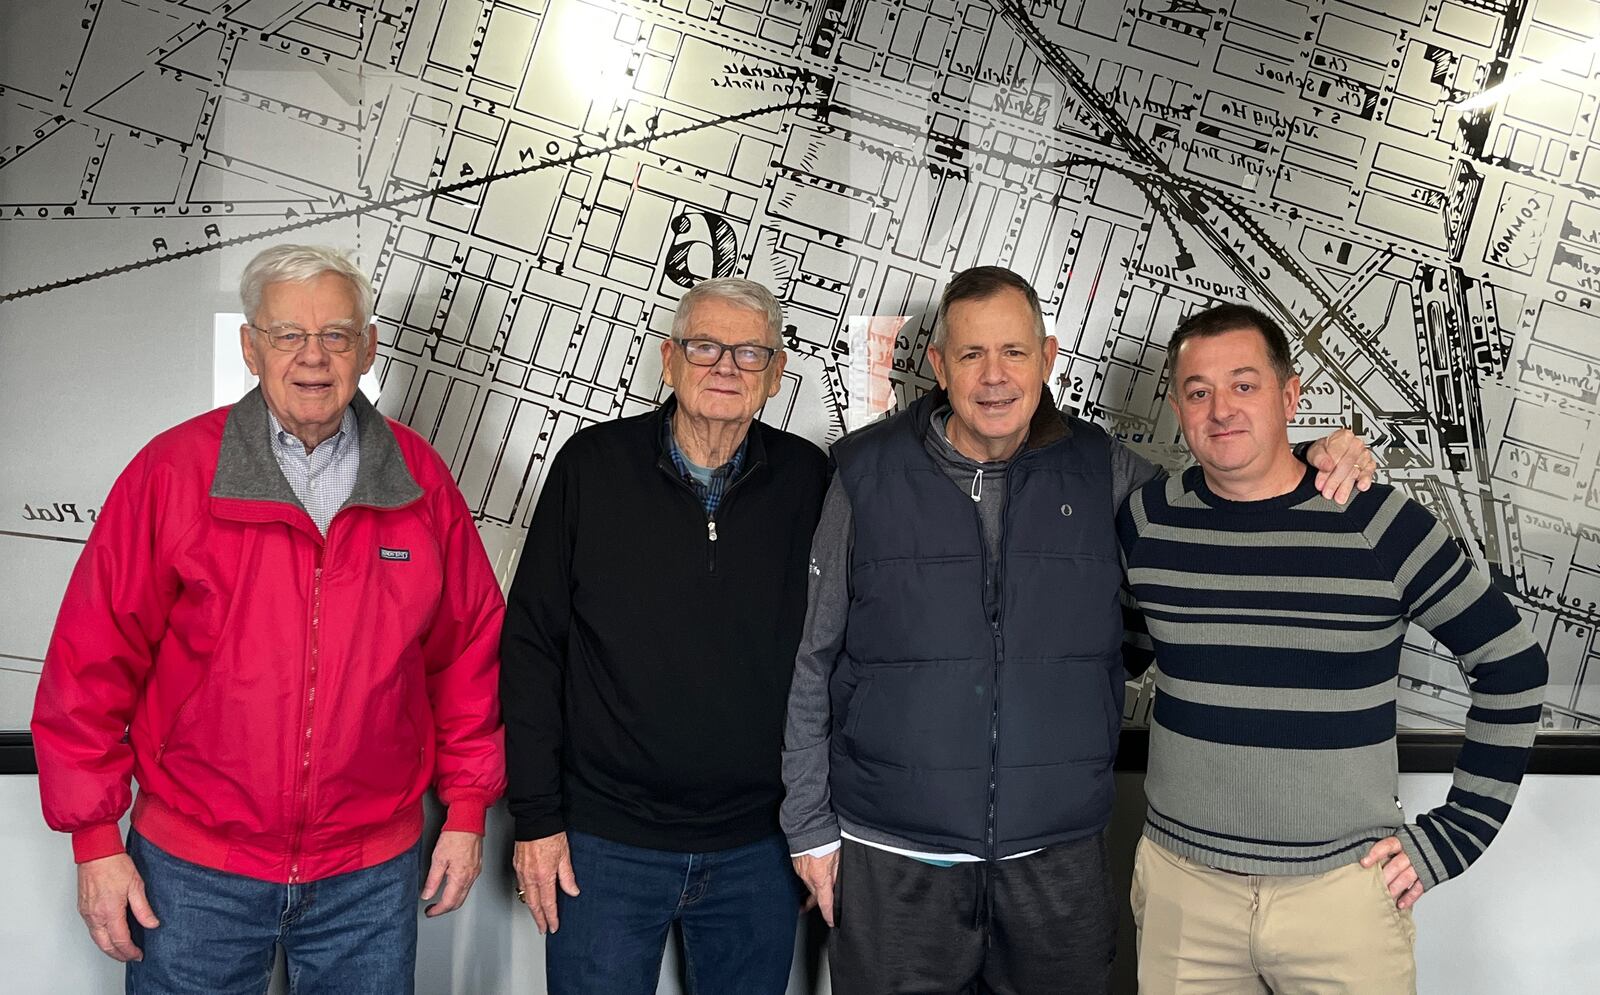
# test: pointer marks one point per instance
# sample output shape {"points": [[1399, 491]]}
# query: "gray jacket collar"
{"points": [[247, 470]]}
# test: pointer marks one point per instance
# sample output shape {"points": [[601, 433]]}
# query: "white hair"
{"points": [[296, 264], [746, 294]]}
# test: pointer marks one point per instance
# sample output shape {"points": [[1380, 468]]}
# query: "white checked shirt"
{"points": [[323, 478]]}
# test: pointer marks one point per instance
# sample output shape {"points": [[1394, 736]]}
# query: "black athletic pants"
{"points": [[1039, 925]]}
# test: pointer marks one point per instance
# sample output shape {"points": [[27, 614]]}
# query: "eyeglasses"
{"points": [[708, 352], [291, 339]]}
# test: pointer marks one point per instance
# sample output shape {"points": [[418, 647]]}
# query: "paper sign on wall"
{"points": [[872, 340]]}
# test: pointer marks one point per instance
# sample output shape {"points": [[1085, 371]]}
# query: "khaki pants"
{"points": [[1204, 931]]}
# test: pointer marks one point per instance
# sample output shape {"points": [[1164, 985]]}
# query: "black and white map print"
{"points": [[1411, 186]]}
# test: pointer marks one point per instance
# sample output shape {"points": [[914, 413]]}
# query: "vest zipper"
{"points": [[711, 545], [996, 622], [999, 653], [994, 738]]}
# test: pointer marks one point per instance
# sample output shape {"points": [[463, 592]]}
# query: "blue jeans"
{"points": [[351, 934], [737, 909]]}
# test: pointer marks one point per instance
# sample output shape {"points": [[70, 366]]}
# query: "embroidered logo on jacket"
{"points": [[385, 553]]}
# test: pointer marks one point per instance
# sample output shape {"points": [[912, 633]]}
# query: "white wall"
{"points": [[1526, 917], [1523, 921]]}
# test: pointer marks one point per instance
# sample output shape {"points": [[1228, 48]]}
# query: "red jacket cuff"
{"points": [[465, 816], [94, 842]]}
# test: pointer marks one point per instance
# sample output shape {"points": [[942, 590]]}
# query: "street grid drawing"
{"points": [[534, 183]]}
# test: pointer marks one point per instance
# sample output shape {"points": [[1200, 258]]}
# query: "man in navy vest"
{"points": [[957, 696]]}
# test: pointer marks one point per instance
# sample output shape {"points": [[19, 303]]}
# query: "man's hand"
{"points": [[542, 864], [107, 889], [1343, 463], [457, 859], [1398, 874], [819, 874]]}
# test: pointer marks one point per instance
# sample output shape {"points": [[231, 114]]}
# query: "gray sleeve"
{"points": [[807, 813], [1129, 472]]}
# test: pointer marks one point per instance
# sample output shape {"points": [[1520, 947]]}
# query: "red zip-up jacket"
{"points": [[282, 699]]}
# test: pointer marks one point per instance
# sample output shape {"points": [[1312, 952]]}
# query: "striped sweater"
{"points": [[1276, 628]]}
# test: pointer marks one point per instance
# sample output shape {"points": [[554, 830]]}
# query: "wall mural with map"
{"points": [[1413, 186]]}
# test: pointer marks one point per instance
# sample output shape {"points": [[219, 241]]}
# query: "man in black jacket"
{"points": [[958, 692], [649, 639]]}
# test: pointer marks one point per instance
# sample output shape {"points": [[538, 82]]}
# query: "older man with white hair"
{"points": [[650, 635], [284, 627]]}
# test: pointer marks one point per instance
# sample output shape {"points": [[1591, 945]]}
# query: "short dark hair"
{"points": [[976, 284], [1231, 318]]}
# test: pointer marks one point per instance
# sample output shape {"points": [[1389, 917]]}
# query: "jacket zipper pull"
{"points": [[711, 529]]}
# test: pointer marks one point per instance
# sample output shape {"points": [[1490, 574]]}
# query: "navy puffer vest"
{"points": [[954, 729]]}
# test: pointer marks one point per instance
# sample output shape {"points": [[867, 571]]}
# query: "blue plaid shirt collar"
{"points": [[721, 477]]}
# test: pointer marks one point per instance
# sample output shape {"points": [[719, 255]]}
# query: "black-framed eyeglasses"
{"points": [[708, 352], [291, 339]]}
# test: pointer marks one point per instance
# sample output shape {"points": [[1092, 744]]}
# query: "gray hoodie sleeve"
{"points": [[807, 813], [1129, 472]]}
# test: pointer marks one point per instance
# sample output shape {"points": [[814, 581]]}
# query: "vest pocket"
{"points": [[856, 706], [928, 716], [1057, 712]]}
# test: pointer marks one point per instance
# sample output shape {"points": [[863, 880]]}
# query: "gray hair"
{"points": [[296, 264], [746, 294], [979, 283]]}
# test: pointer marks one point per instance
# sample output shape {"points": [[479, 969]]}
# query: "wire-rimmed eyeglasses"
{"points": [[288, 338]]}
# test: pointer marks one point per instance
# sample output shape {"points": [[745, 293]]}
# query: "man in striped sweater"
{"points": [[1274, 856]]}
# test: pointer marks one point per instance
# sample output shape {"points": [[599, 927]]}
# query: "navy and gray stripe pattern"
{"points": [[1276, 628]]}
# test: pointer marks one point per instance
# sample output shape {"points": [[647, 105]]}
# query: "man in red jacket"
{"points": [[284, 627]]}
